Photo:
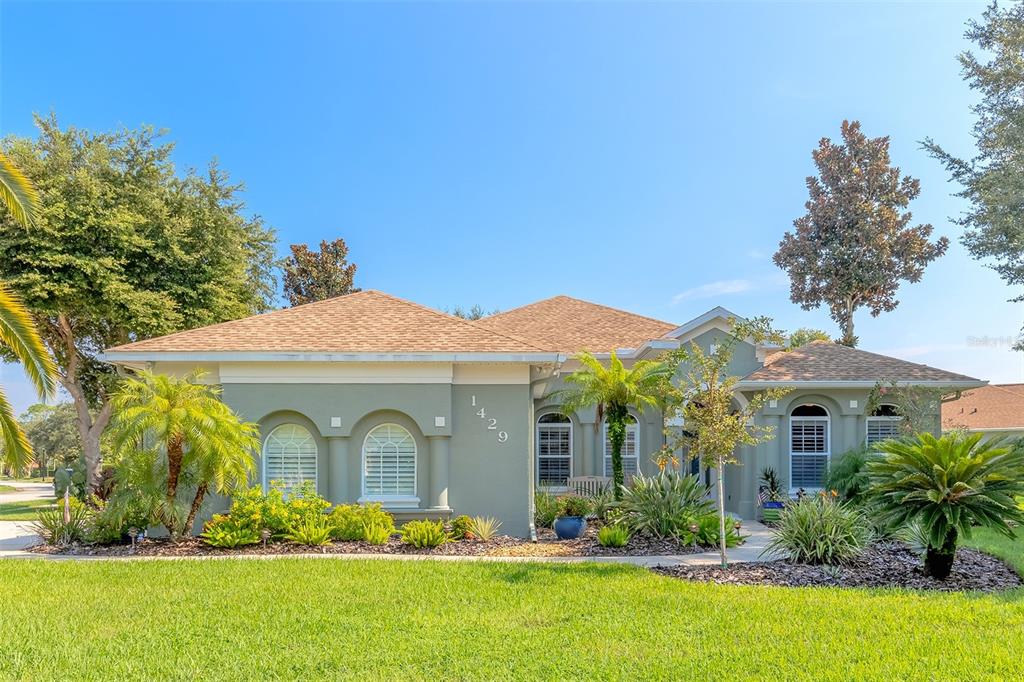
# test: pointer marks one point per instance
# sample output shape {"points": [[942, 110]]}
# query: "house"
{"points": [[996, 410], [375, 398]]}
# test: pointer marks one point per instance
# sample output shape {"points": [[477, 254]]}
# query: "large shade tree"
{"points": [[317, 275], [125, 248], [992, 180], [855, 244], [613, 389], [53, 433]]}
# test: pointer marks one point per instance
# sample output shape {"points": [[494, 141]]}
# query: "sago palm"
{"points": [[613, 389], [17, 332], [948, 485], [168, 431]]}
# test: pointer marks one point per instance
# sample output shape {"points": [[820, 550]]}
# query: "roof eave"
{"points": [[133, 357], [958, 384]]}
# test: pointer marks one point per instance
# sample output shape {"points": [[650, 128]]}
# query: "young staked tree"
{"points": [[992, 181], [123, 248], [855, 244], [715, 425], [175, 441], [613, 389], [317, 275]]}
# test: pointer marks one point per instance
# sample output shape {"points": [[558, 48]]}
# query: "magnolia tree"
{"points": [[715, 424]]}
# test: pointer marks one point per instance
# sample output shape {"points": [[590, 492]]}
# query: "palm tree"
{"points": [[17, 331], [613, 390], [948, 485], [171, 433]]}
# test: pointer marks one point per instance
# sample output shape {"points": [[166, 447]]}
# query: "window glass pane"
{"points": [[882, 428], [389, 461], [809, 448], [289, 457], [554, 453]]}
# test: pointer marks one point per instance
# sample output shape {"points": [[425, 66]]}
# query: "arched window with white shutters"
{"points": [[630, 450], [809, 446], [389, 463], [883, 424], [289, 457], [554, 450]]}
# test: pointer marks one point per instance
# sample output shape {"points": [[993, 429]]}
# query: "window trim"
{"points": [[396, 501], [828, 443], [572, 465], [606, 456], [878, 418], [263, 456]]}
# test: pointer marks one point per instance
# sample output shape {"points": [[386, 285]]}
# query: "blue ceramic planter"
{"points": [[570, 527]]}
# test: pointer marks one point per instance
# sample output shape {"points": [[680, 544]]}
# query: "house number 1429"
{"points": [[492, 423]]}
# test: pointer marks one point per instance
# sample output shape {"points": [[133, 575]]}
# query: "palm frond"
{"points": [[17, 192], [18, 333], [17, 451]]}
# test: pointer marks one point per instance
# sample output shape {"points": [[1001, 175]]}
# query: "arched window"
{"points": [[883, 424], [554, 450], [809, 436], [289, 457], [389, 463], [630, 450]]}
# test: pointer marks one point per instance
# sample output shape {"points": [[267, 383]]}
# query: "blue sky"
{"points": [[645, 156]]}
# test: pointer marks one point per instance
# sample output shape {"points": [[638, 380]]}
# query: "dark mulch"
{"points": [[547, 545], [881, 565]]}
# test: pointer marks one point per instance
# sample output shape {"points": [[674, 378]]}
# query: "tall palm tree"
{"points": [[17, 331], [170, 433], [613, 390]]}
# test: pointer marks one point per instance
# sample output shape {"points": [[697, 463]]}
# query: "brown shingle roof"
{"points": [[827, 361], [998, 406], [363, 322], [569, 325]]}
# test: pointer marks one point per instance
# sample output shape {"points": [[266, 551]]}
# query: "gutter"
{"points": [[952, 385]]}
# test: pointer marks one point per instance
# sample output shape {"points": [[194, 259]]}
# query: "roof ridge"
{"points": [[890, 357], [582, 300]]}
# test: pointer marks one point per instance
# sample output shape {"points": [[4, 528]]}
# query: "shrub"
{"points": [[257, 510], [820, 530], [663, 506], [573, 505], [348, 520], [772, 484], [710, 527], [948, 485], [304, 502], [614, 535], [849, 475], [602, 504], [109, 523], [224, 531], [311, 530], [422, 534], [377, 533], [545, 508], [54, 530], [461, 527], [484, 527]]}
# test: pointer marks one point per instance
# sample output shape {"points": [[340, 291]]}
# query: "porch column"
{"points": [[337, 469], [439, 455]]}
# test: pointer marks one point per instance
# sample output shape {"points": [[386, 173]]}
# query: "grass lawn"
{"points": [[7, 488], [997, 544], [25, 510], [294, 618]]}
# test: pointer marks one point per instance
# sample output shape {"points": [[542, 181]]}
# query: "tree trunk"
{"points": [[847, 325], [720, 466], [938, 561], [197, 502], [617, 436], [175, 455]]}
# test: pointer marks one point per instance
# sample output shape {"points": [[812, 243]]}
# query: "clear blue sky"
{"points": [[645, 156]]}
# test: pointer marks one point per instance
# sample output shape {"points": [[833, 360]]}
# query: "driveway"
{"points": [[15, 536]]}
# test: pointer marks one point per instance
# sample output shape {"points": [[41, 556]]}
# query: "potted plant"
{"points": [[773, 495], [572, 517]]}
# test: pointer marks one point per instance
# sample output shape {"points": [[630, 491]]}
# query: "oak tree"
{"points": [[317, 275]]}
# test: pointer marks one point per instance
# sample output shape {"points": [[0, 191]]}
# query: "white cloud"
{"points": [[711, 290]]}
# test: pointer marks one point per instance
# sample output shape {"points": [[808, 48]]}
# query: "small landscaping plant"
{"points": [[772, 485], [602, 504], [948, 485], [484, 527], [349, 520], [377, 533], [819, 529], [573, 505], [224, 531], [545, 508], [848, 475], [663, 506], [54, 530], [461, 528], [424, 534], [313, 531], [614, 535], [707, 535]]}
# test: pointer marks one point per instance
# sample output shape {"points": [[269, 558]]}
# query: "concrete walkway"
{"points": [[25, 491], [16, 537]]}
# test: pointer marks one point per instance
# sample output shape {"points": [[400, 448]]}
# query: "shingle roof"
{"points": [[997, 406], [823, 361], [363, 322], [569, 325]]}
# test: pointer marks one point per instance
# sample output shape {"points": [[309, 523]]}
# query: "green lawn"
{"points": [[7, 488], [294, 618], [997, 544], [26, 510]]}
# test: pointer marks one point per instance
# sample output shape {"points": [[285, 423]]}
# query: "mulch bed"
{"points": [[882, 565], [547, 545]]}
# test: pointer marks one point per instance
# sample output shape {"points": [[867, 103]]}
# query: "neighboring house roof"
{"points": [[569, 325], [363, 322], [824, 362], [996, 407]]}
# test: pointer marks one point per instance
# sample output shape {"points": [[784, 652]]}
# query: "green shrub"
{"points": [[545, 508], [109, 523], [377, 533], [348, 520], [422, 534], [773, 485], [254, 509], [224, 531], [709, 531], [848, 476], [602, 504], [818, 529], [573, 505], [311, 530], [461, 527], [948, 485], [484, 527], [54, 530], [614, 535], [663, 506]]}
